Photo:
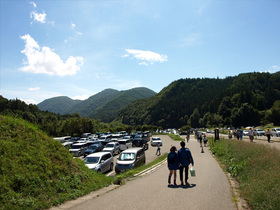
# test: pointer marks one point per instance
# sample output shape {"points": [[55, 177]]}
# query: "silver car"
{"points": [[100, 161], [113, 147], [130, 158]]}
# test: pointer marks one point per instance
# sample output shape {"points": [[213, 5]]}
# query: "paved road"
{"points": [[210, 189], [275, 141]]}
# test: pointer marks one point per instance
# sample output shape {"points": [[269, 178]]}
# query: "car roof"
{"points": [[98, 154], [78, 144], [134, 149]]}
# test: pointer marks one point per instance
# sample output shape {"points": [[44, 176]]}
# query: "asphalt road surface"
{"points": [[209, 189]]}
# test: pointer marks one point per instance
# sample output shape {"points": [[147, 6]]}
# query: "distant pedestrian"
{"points": [[251, 135], [172, 164], [241, 135], [268, 135], [188, 136], [205, 140], [158, 150], [200, 139], [185, 159]]}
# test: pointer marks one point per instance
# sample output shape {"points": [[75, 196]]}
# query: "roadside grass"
{"points": [[121, 177], [37, 172], [256, 167], [175, 137]]}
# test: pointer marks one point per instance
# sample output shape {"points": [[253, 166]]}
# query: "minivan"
{"points": [[100, 161], [125, 144], [130, 158], [78, 149]]}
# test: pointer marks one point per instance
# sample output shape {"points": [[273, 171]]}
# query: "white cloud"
{"points": [[29, 101], [147, 57], [73, 25], [38, 17], [33, 4], [273, 69], [82, 97], [34, 89], [143, 64], [46, 61]]}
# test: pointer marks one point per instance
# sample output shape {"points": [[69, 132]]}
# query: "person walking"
{"points": [[268, 135], [158, 150], [251, 135], [185, 159], [172, 164], [241, 135]]}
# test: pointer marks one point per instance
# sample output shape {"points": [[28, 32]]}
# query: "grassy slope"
{"points": [[36, 172], [257, 168]]}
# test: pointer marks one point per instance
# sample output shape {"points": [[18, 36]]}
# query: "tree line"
{"points": [[60, 125]]}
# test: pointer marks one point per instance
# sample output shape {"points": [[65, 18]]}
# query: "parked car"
{"points": [[104, 138], [130, 158], [275, 132], [245, 132], [140, 142], [259, 132], [113, 147], [78, 149], [125, 144], [155, 141], [95, 147], [100, 161]]}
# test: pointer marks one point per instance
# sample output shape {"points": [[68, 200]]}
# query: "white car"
{"points": [[155, 141], [100, 161], [275, 132], [245, 133], [113, 147], [259, 132], [125, 144]]}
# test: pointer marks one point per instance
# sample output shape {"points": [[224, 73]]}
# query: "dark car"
{"points": [[139, 141], [95, 147]]}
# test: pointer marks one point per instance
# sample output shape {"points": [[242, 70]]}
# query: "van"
{"points": [[100, 161], [78, 149], [125, 144], [130, 158]]}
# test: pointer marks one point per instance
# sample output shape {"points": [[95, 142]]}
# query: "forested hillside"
{"points": [[58, 104], [246, 99], [103, 106], [56, 124]]}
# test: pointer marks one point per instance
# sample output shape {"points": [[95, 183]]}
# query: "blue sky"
{"points": [[79, 48]]}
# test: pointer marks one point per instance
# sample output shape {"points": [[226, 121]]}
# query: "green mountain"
{"points": [[108, 111], [58, 104], [103, 105], [236, 101]]}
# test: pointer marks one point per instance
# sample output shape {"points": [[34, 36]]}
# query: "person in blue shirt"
{"points": [[185, 159], [172, 163]]}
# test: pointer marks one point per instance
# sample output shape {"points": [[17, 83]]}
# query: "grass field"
{"points": [[256, 167]]}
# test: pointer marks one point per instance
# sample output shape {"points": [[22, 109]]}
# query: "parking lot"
{"points": [[150, 153]]}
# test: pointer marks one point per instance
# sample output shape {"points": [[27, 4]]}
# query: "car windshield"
{"points": [[109, 145], [91, 160], [76, 146], [93, 147], [127, 156]]}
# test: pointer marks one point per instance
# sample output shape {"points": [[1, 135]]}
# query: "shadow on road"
{"points": [[182, 186]]}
